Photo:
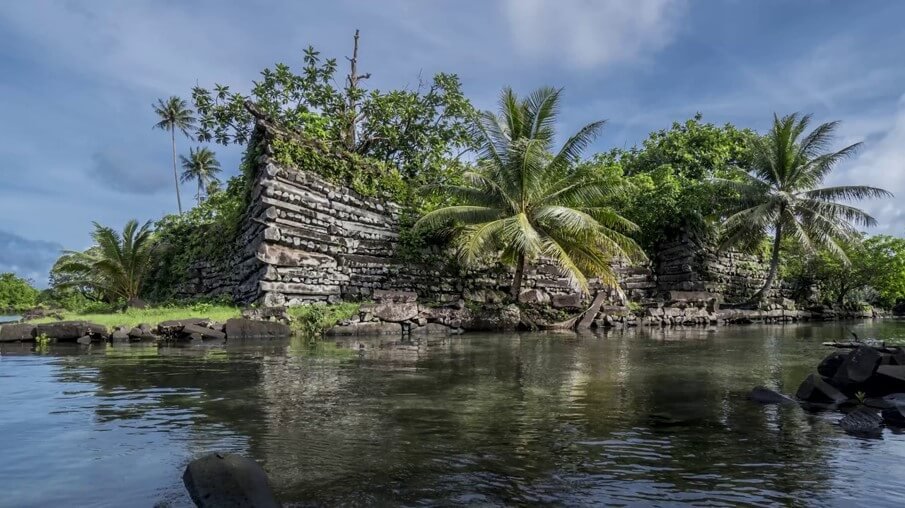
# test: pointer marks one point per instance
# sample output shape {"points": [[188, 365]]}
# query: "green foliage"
{"points": [[366, 177], [16, 293], [42, 340], [131, 317], [523, 202], [780, 193], [874, 273], [671, 177], [418, 132], [115, 267], [313, 320], [206, 233]]}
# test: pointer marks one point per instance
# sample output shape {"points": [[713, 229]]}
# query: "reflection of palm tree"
{"points": [[174, 114], [201, 166]]}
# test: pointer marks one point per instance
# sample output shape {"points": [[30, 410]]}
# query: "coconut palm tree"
{"points": [[174, 114], [116, 265], [780, 193], [202, 166], [524, 202]]}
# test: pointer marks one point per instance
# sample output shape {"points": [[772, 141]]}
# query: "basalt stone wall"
{"points": [[689, 265], [306, 239]]}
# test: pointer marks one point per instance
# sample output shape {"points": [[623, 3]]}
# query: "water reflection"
{"points": [[627, 417]]}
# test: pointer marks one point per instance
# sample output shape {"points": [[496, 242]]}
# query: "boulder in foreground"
{"points": [[71, 330], [227, 479], [815, 389], [16, 333], [240, 328]]}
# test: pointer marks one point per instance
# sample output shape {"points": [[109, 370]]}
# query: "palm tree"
{"points": [[116, 265], [174, 113], [202, 166], [523, 202], [780, 193]]}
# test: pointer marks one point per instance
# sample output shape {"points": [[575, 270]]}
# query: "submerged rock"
{"points": [[227, 479], [767, 396], [862, 420], [815, 389]]}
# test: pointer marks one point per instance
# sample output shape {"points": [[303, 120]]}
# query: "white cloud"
{"points": [[881, 163], [592, 33]]}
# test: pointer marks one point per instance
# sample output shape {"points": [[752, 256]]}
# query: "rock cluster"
{"points": [[191, 329]]}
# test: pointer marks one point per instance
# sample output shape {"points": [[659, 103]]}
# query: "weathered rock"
{"points": [[381, 295], [70, 330], [485, 296], [396, 312], [591, 313], [227, 479], [238, 328], [815, 389], [119, 334], [174, 327], [858, 366], [894, 415], [829, 365], [203, 332], [861, 420], [896, 372], [368, 328], [767, 396], [534, 297], [142, 332], [15, 333], [570, 301], [86, 340], [278, 313], [432, 329]]}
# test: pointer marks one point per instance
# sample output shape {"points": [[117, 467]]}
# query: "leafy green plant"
{"points": [[42, 340], [314, 319], [524, 202], [780, 193], [860, 396], [16, 293]]}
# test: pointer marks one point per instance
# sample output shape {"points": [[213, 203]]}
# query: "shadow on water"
{"points": [[631, 417]]}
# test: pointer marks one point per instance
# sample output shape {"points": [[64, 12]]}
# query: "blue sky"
{"points": [[77, 80]]}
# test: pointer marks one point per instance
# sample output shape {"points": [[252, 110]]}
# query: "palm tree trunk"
{"points": [[175, 173], [517, 279], [774, 267]]}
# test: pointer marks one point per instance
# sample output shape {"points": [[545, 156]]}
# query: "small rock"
{"points": [[862, 420], [227, 479], [767, 396], [86, 340]]}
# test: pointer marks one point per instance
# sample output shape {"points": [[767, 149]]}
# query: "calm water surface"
{"points": [[635, 418]]}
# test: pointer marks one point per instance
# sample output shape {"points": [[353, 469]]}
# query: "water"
{"points": [[640, 418], [9, 319]]}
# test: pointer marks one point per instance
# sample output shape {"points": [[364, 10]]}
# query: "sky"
{"points": [[77, 80]]}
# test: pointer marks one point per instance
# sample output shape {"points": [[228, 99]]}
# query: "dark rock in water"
{"points": [[862, 420], [858, 367], [894, 415], [174, 327], [238, 328], [119, 335], [768, 396], [369, 328], [894, 371], [85, 341], [815, 389], [829, 365], [394, 312], [71, 330], [432, 329], [227, 479], [17, 333], [203, 332]]}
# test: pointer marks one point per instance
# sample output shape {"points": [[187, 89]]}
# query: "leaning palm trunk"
{"points": [[774, 267]]}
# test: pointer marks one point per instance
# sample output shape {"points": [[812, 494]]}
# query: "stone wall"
{"points": [[306, 239], [688, 265]]}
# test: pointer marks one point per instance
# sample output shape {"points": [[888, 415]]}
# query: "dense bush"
{"points": [[16, 293]]}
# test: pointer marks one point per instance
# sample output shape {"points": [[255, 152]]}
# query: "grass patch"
{"points": [[313, 320], [152, 315]]}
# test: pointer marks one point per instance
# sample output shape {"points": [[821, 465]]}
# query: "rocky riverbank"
{"points": [[182, 330]]}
